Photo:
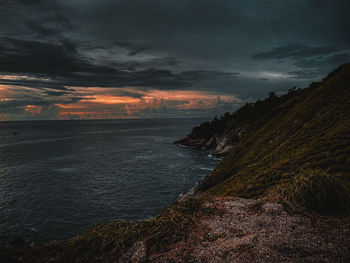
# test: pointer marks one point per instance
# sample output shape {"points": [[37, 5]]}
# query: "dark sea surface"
{"points": [[58, 178]]}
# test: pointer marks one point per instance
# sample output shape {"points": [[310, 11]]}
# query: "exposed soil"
{"points": [[243, 230]]}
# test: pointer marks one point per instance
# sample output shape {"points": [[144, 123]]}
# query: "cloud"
{"points": [[295, 51], [34, 57], [26, 2], [52, 52], [326, 62], [95, 103], [304, 74], [312, 61], [65, 66], [21, 110], [54, 25]]}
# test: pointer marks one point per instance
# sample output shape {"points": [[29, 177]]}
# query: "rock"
{"points": [[272, 208], [136, 254], [183, 139], [220, 143], [191, 142], [226, 231], [212, 141], [223, 146], [187, 194], [140, 253], [33, 245]]}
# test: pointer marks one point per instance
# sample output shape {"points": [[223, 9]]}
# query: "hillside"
{"points": [[281, 193], [306, 131]]}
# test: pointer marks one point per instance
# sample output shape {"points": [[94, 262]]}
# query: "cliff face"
{"points": [[220, 142], [223, 134]]}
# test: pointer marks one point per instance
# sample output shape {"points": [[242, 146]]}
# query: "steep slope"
{"points": [[303, 130]]}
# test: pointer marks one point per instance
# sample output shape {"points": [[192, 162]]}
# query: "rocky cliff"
{"points": [[223, 134]]}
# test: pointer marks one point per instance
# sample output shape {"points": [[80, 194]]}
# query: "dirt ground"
{"points": [[243, 230]]}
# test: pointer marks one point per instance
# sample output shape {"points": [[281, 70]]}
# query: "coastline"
{"points": [[279, 196]]}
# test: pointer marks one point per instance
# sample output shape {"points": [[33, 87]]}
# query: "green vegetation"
{"points": [[302, 129]]}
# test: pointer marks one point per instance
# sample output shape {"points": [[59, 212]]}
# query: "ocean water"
{"points": [[58, 178]]}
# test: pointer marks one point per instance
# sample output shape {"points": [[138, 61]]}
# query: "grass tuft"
{"points": [[317, 191]]}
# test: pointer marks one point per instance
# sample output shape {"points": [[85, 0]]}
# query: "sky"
{"points": [[105, 59]]}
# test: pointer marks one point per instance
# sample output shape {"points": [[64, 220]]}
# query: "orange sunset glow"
{"points": [[99, 104], [33, 109], [108, 103]]}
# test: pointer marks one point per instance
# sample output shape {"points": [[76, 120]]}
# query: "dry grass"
{"points": [[317, 191], [108, 242]]}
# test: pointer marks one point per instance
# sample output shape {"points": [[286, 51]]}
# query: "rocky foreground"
{"points": [[220, 229], [243, 230]]}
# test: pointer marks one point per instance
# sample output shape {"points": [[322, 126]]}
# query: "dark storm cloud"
{"points": [[34, 84], [51, 21], [225, 46], [67, 67], [313, 60], [324, 62], [132, 47], [295, 51], [27, 2], [304, 74], [55, 93], [55, 25], [27, 56], [215, 28]]}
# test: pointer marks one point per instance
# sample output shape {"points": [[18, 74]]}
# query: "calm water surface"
{"points": [[57, 178]]}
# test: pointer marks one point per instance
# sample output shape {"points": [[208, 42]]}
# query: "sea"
{"points": [[61, 178]]}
